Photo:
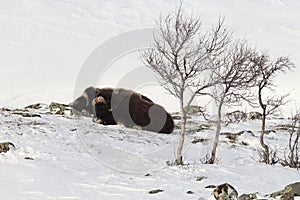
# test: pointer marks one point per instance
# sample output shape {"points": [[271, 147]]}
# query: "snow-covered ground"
{"points": [[43, 47], [74, 158]]}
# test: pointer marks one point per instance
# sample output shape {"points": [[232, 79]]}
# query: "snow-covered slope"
{"points": [[73, 158], [44, 44]]}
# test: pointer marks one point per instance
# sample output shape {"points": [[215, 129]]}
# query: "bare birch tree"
{"points": [[236, 73], [292, 155], [270, 105], [181, 55]]}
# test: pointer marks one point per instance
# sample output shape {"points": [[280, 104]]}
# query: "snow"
{"points": [[74, 158], [43, 47]]}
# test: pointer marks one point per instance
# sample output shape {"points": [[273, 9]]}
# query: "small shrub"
{"points": [[269, 157], [291, 154]]}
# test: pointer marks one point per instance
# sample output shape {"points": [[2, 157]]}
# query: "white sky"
{"points": [[44, 44]]}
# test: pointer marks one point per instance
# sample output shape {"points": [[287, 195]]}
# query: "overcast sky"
{"points": [[45, 44]]}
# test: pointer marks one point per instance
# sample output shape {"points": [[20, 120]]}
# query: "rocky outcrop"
{"points": [[288, 192], [59, 109]]}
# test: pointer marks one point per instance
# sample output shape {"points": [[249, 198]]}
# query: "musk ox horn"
{"points": [[99, 100]]}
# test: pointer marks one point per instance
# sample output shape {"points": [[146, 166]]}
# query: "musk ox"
{"points": [[83, 104], [132, 109]]}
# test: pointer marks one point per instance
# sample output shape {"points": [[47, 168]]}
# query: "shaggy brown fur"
{"points": [[133, 109], [106, 93]]}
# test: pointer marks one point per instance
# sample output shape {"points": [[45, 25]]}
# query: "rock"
{"points": [[287, 196], [244, 197], [236, 116], [200, 178], [5, 146], [192, 110], [176, 117], [34, 106], [254, 115], [203, 127], [5, 109], [247, 196], [288, 192], [24, 113], [245, 143], [59, 108], [155, 191], [225, 192], [211, 186], [28, 158], [199, 140], [269, 131], [283, 127], [232, 136], [30, 115], [295, 188]]}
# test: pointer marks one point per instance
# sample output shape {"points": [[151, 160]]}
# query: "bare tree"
{"points": [[181, 55], [268, 70], [292, 157], [236, 73]]}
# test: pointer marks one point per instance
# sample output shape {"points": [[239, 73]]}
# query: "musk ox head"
{"points": [[100, 104], [103, 114]]}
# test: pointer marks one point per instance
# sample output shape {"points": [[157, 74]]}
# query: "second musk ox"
{"points": [[83, 104], [132, 109]]}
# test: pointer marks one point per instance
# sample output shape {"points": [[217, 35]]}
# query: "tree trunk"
{"points": [[214, 150], [262, 143], [265, 147], [179, 160]]}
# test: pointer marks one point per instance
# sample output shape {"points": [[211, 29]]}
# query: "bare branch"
{"points": [[235, 73]]}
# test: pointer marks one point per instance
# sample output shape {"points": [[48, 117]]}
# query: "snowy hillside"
{"points": [[62, 157], [44, 45]]}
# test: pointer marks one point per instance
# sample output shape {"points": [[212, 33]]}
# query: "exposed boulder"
{"points": [[155, 191], [34, 106], [247, 196], [235, 116], [26, 114], [288, 192], [59, 109], [225, 192], [254, 115], [5, 146], [232, 136], [192, 110]]}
